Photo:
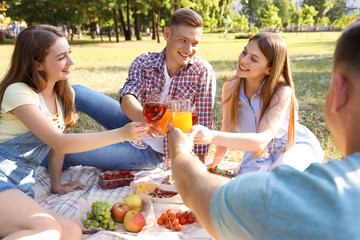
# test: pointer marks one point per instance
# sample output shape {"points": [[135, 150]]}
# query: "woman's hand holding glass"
{"points": [[134, 131], [203, 135]]}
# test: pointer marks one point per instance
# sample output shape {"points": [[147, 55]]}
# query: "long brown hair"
{"points": [[274, 49], [31, 46]]}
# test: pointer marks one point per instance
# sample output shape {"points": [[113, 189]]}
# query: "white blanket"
{"points": [[74, 205]]}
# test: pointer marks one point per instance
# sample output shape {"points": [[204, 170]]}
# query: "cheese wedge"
{"points": [[146, 188]]}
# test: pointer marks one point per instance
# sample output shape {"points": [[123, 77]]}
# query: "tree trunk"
{"points": [[137, 24], [157, 25], [73, 31], [93, 30], [55, 17], [116, 25], [153, 23], [109, 33], [127, 33], [128, 19]]}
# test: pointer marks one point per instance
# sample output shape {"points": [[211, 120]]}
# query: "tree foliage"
{"points": [[271, 18], [110, 16]]}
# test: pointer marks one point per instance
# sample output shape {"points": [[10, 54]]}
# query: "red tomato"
{"points": [[163, 216], [160, 221], [174, 221], [168, 225], [177, 227], [190, 218], [171, 216], [182, 220]]}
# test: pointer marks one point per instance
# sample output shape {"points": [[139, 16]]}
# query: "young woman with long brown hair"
{"points": [[36, 107], [259, 112]]}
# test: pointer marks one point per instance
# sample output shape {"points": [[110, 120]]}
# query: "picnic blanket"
{"points": [[74, 205]]}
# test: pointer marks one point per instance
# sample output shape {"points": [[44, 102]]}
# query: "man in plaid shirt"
{"points": [[176, 73]]}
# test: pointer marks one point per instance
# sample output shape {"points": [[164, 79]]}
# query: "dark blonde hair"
{"points": [[274, 49], [185, 16], [31, 46]]}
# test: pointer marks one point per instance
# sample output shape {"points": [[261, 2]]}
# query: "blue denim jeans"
{"points": [[123, 156], [19, 157]]}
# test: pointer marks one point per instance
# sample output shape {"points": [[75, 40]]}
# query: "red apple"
{"points": [[119, 210], [134, 202], [134, 221]]}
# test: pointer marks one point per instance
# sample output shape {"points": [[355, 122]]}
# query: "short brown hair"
{"points": [[186, 16], [347, 52]]}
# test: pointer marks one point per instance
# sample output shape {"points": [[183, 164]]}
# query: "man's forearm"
{"points": [[185, 169], [132, 108], [196, 186]]}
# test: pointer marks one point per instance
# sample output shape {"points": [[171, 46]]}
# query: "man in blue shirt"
{"points": [[323, 202]]}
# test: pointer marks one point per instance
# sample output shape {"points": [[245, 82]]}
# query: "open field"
{"points": [[103, 66]]}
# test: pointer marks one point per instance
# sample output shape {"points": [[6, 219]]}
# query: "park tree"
{"points": [[124, 11], [156, 6], [345, 20], [323, 22], [34, 12], [322, 6], [307, 15], [255, 9], [241, 22], [284, 13], [224, 13], [337, 10], [208, 9], [105, 17], [271, 18], [138, 8], [176, 4], [295, 16]]}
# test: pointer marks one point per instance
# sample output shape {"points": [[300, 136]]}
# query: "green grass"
{"points": [[103, 66]]}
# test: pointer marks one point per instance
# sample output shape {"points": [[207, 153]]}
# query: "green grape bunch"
{"points": [[100, 216]]}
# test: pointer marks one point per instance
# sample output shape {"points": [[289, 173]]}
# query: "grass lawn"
{"points": [[103, 66]]}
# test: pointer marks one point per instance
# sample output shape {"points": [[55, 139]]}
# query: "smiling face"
{"points": [[182, 45], [57, 64], [252, 64]]}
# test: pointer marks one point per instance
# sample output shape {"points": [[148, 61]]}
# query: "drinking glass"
{"points": [[164, 121], [194, 115], [153, 110], [181, 114]]}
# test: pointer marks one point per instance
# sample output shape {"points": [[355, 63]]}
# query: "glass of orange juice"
{"points": [[164, 121], [181, 114]]}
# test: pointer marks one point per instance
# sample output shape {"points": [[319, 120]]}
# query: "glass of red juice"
{"points": [[194, 115], [154, 111], [194, 118]]}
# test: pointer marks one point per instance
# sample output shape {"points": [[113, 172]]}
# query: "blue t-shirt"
{"points": [[323, 202]]}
